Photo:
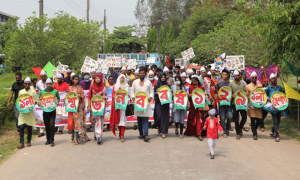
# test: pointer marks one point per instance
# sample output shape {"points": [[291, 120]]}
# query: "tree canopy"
{"points": [[63, 38]]}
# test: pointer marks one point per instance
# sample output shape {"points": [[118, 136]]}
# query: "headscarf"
{"points": [[123, 85], [161, 83], [98, 87]]}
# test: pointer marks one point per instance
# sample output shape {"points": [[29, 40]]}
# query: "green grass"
{"points": [[292, 81], [9, 140], [8, 79], [287, 127]]}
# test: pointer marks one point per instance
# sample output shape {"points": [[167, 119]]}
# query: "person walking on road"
{"points": [[27, 119], [15, 89], [49, 117], [143, 85]]}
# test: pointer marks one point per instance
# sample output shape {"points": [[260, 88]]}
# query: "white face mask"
{"points": [[178, 82]]}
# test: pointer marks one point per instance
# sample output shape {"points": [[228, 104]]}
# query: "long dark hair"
{"points": [[181, 83], [72, 83], [196, 78]]}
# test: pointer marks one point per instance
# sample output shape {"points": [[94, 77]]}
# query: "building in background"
{"points": [[5, 17]]}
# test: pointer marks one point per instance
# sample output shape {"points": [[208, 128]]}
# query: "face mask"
{"points": [[190, 77], [177, 82], [237, 79], [86, 80], [167, 77], [19, 82], [151, 79]]}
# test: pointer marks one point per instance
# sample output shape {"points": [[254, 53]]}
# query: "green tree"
{"points": [[162, 41], [149, 40], [6, 29], [64, 38], [154, 39], [170, 34], [122, 40]]}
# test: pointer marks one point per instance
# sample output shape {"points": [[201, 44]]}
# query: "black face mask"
{"points": [[190, 77], [20, 82]]}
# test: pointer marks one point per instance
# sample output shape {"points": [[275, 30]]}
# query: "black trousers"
{"points": [[29, 135], [239, 126], [255, 122], [49, 120], [264, 114]]}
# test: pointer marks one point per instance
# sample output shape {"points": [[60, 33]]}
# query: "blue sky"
{"points": [[118, 12]]}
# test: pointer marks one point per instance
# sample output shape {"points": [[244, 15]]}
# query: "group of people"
{"points": [[200, 122]]}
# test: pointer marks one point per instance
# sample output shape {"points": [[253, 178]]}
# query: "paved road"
{"points": [[170, 158]]}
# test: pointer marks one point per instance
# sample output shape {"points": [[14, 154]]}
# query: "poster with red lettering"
{"points": [[98, 105], [165, 95], [180, 100], [279, 101], [225, 94], [141, 101], [241, 100], [25, 103], [71, 102], [48, 102], [121, 99], [198, 97], [258, 98]]}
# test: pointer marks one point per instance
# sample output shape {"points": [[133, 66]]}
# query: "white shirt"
{"points": [[40, 85], [188, 80], [148, 89]]}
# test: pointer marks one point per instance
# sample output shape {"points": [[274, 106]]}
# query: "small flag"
{"points": [[290, 92], [292, 68]]}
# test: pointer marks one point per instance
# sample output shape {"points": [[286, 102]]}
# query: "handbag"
{"points": [[206, 108], [129, 110]]}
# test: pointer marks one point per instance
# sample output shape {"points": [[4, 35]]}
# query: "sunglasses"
{"points": [[27, 83], [254, 77]]}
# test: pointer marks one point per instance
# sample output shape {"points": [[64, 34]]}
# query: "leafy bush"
{"points": [[6, 114]]}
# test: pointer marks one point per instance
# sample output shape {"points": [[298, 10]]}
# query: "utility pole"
{"points": [[88, 11], [41, 2], [104, 23]]}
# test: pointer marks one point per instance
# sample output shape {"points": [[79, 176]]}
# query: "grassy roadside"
{"points": [[287, 127], [9, 140]]}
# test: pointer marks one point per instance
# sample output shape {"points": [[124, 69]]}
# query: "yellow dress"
{"points": [[27, 118]]}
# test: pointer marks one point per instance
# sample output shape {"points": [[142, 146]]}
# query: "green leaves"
{"points": [[122, 40], [63, 38]]}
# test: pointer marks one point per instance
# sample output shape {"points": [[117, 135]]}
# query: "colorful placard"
{"points": [[97, 105], [279, 101], [121, 99], [258, 98], [241, 100], [48, 102], [25, 103], [180, 100], [198, 98], [225, 94], [71, 102], [164, 94], [141, 101]]}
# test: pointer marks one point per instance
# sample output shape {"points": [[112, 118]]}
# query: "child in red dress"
{"points": [[212, 125]]}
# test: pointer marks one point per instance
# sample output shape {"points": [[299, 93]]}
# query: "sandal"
{"points": [[163, 136], [176, 131], [120, 134], [87, 138], [245, 129], [122, 139], [72, 137], [200, 138], [180, 137], [76, 141], [238, 137]]}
